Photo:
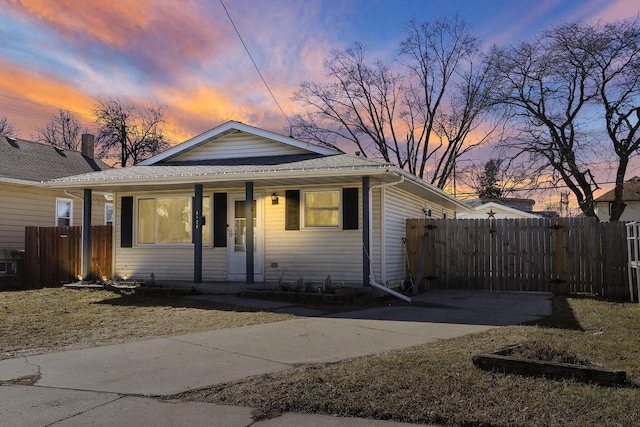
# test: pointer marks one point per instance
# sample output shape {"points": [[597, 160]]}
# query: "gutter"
{"points": [[372, 281], [184, 178]]}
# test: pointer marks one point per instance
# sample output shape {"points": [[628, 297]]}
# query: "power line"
{"points": [[43, 105], [43, 116], [541, 188], [254, 62]]}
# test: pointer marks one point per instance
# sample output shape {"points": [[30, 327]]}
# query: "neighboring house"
{"points": [[26, 201], [630, 196], [182, 215], [494, 210]]}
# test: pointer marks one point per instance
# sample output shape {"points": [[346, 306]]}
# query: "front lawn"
{"points": [[44, 320], [437, 383]]}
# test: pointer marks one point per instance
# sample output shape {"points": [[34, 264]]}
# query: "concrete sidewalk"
{"points": [[108, 385]]}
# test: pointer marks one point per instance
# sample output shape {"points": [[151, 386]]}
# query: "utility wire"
{"points": [[254, 62], [43, 105], [21, 112]]}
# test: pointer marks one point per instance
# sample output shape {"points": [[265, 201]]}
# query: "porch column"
{"points": [[366, 237], [249, 231], [197, 234], [86, 235]]}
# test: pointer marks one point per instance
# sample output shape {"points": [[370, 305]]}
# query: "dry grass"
{"points": [[44, 320], [437, 383]]}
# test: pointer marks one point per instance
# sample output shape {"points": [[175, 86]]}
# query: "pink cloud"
{"points": [[619, 9]]}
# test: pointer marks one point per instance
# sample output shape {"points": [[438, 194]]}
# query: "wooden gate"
{"points": [[53, 255], [542, 255]]}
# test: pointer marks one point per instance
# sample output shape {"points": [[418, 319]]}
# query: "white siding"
{"points": [[22, 206], [631, 212], [168, 262], [377, 249], [311, 254], [399, 206], [238, 145]]}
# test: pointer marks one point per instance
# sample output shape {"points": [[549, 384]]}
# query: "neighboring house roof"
{"points": [[196, 160], [525, 205], [630, 192], [28, 162], [496, 211]]}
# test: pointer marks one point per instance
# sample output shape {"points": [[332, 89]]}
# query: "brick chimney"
{"points": [[87, 145]]}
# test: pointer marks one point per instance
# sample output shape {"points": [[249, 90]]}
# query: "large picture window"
{"points": [[322, 209], [168, 220]]}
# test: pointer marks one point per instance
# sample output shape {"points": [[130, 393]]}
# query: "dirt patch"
{"points": [[545, 351]]}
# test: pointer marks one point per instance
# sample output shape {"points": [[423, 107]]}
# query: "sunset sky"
{"points": [[185, 54]]}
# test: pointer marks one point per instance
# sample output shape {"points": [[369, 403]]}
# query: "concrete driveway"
{"points": [[73, 387]]}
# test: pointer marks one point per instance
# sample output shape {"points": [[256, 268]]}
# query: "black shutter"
{"points": [[126, 222], [292, 210], [219, 220], [349, 208]]}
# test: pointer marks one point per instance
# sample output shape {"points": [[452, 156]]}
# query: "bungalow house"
{"points": [[239, 203], [25, 200], [630, 196]]}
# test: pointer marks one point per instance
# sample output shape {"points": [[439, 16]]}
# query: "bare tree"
{"points": [[615, 52], [563, 89], [7, 128], [422, 107], [62, 130], [498, 178], [128, 133]]}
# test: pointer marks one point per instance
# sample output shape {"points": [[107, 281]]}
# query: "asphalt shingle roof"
{"points": [[257, 165], [32, 161]]}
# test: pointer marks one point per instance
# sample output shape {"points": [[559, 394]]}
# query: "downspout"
{"points": [[371, 278]]}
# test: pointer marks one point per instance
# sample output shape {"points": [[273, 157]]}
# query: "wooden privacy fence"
{"points": [[541, 255], [53, 255]]}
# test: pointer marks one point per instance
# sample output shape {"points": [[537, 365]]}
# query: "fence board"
{"points": [[539, 255], [53, 255]]}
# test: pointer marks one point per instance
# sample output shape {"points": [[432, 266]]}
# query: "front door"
{"points": [[237, 235]]}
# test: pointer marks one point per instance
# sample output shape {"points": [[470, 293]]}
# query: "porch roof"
{"points": [[177, 174], [265, 171]]}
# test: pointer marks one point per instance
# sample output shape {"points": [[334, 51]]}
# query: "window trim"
{"points": [[154, 197], [303, 206], [106, 205], [56, 217]]}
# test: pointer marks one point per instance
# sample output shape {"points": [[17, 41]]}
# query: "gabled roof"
{"points": [[630, 192], [30, 162], [198, 161], [229, 127]]}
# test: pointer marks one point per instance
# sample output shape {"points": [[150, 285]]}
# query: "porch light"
{"points": [[274, 199]]}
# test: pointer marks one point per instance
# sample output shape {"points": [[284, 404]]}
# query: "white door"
{"points": [[236, 238]]}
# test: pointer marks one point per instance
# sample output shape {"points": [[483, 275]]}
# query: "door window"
{"points": [[240, 226]]}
